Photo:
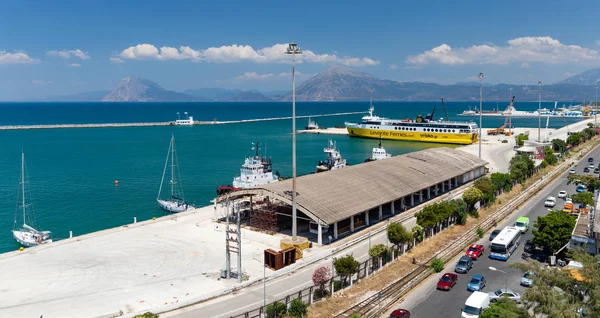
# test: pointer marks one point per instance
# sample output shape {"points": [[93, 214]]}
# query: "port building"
{"points": [[337, 203]]}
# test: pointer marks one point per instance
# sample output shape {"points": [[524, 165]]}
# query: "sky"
{"points": [[66, 47]]}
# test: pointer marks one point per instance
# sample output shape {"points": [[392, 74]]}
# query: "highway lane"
{"points": [[425, 301]]}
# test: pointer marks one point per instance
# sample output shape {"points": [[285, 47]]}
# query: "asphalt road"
{"points": [[425, 301]]}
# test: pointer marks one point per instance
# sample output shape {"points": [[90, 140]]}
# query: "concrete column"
{"points": [[420, 196], [443, 186], [381, 211], [367, 218], [428, 193], [319, 234], [335, 233], [352, 223], [412, 200], [437, 190], [393, 208]]}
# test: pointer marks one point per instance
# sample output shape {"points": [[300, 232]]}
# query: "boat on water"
{"points": [[255, 172], [187, 121], [312, 125], [378, 153], [422, 129], [176, 202], [334, 159], [27, 235]]}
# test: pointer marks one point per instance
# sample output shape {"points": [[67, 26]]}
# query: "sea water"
{"points": [[72, 172]]}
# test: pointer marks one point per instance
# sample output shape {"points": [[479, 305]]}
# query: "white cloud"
{"points": [[254, 76], [393, 66], [236, 53], [74, 65], [15, 58], [68, 53], [116, 60], [524, 50]]}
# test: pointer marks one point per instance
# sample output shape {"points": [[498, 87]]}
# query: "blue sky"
{"points": [[64, 47]]}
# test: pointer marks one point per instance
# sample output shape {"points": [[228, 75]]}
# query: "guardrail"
{"points": [[375, 304]]}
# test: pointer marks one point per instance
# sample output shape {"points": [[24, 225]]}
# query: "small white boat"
{"points": [[188, 121], [311, 125], [334, 159], [378, 153], [27, 235], [176, 202]]}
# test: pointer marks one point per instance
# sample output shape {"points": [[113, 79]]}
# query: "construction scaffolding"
{"points": [[264, 217]]}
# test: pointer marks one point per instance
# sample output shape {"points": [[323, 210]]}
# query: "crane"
{"points": [[500, 130], [445, 112]]}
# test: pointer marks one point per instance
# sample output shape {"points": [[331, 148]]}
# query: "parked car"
{"points": [[528, 247], [447, 281], [562, 194], [475, 251], [572, 171], [586, 169], [581, 188], [590, 159], [591, 166], [496, 295], [494, 234], [400, 313], [550, 202], [527, 278], [464, 265], [477, 283], [522, 223], [596, 170]]}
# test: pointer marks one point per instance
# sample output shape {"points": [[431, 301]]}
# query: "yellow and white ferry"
{"points": [[420, 129]]}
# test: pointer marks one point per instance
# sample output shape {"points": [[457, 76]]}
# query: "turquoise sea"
{"points": [[72, 171]]}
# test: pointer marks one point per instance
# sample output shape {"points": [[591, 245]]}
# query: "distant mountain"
{"points": [[224, 94], [93, 96], [591, 77], [249, 97], [131, 89]]}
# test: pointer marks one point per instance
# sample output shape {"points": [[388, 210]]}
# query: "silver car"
{"points": [[496, 295]]}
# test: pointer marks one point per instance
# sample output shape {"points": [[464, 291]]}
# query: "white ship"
{"points": [[378, 153], [188, 121], [334, 160], [311, 125], [255, 171]]}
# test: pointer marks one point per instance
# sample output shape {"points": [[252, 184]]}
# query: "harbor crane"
{"points": [[500, 130]]}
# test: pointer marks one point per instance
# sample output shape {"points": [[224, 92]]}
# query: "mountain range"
{"points": [[339, 83]]}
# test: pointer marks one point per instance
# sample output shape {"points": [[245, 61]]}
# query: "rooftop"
{"points": [[582, 225]]}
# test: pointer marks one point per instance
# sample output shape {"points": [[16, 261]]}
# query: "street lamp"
{"points": [[596, 106], [293, 49], [264, 290], [539, 110], [510, 110], [481, 77], [494, 269]]}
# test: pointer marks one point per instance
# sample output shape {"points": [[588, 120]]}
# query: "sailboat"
{"points": [[27, 235], [176, 202]]}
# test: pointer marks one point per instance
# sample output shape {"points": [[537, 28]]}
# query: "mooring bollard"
{"points": [[70, 234], [134, 220]]}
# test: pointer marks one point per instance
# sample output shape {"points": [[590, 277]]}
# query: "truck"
{"points": [[575, 208]]}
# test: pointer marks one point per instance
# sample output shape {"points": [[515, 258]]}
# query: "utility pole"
{"points": [[539, 110], [293, 49], [481, 77], [510, 109], [596, 106]]}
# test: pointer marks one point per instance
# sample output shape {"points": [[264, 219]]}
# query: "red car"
{"points": [[475, 251], [400, 313], [447, 281]]}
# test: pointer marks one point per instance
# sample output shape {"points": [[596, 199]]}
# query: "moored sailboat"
{"points": [[176, 202]]}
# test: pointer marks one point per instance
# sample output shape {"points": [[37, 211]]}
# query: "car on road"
{"points": [[590, 159], [562, 194], [528, 247], [586, 169], [476, 303], [527, 278], [464, 265], [581, 188], [596, 170], [522, 224], [572, 171], [550, 202], [400, 313], [447, 281], [512, 295], [494, 234], [476, 283], [475, 251]]}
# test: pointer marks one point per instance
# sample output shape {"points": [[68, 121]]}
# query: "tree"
{"points": [[521, 167], [460, 210], [553, 230], [592, 182], [378, 250], [297, 308], [574, 139], [588, 133], [433, 214], [397, 234], [320, 277], [417, 232], [559, 145], [503, 308], [520, 138], [471, 196], [585, 198], [276, 310], [345, 266], [437, 265], [501, 181], [486, 187], [549, 156]]}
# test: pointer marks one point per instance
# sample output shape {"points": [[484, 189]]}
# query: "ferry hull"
{"points": [[436, 137]]}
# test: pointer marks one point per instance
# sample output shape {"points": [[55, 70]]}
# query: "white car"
{"points": [[572, 171], [562, 194], [591, 166], [550, 202]]}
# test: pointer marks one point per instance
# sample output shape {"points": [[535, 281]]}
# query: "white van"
{"points": [[477, 302]]}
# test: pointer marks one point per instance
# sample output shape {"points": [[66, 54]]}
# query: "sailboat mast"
{"points": [[23, 183], [172, 165]]}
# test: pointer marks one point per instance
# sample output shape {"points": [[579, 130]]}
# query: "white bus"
{"points": [[506, 243]]}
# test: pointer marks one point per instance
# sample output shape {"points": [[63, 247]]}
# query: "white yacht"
{"points": [[176, 202]]}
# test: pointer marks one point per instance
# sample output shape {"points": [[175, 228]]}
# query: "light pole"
{"points": [[505, 274], [596, 106], [264, 290], [539, 110], [510, 110], [293, 49], [481, 77]]}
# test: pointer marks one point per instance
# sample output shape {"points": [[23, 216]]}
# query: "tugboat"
{"points": [[334, 159], [378, 153], [255, 171], [312, 125]]}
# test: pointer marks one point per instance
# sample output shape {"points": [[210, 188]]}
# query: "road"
{"points": [[425, 301]]}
